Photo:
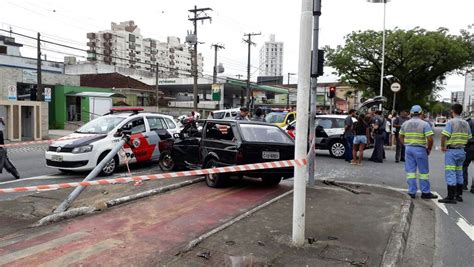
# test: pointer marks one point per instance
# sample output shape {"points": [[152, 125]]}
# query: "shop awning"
{"points": [[95, 94], [253, 86]]}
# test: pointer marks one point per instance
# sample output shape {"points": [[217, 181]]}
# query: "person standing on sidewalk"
{"points": [[397, 124], [454, 138], [349, 135], [417, 136], [469, 157]]}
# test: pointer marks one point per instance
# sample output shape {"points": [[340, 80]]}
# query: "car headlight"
{"points": [[82, 149]]}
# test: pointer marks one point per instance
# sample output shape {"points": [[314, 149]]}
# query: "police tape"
{"points": [[238, 168], [46, 141]]}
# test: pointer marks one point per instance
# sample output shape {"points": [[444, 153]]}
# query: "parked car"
{"points": [[228, 143], [440, 121], [281, 119], [150, 135], [224, 114], [330, 134]]}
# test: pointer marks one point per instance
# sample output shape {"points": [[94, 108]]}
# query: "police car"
{"points": [[88, 145], [330, 134]]}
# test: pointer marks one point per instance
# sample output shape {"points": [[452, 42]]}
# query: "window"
{"points": [[340, 123], [138, 126], [264, 133], [219, 132], [291, 118], [325, 123], [155, 123], [3, 49], [170, 123]]}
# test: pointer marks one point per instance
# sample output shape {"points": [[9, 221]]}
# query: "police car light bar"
{"points": [[125, 109]]}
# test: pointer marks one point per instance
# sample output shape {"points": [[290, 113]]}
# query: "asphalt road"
{"points": [[454, 231]]}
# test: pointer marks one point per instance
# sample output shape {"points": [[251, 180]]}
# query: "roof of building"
{"points": [[113, 80]]}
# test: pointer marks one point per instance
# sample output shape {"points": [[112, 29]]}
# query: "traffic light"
{"points": [[332, 91]]}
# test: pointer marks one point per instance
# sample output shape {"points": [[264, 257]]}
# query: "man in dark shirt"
{"points": [[244, 114], [349, 135], [469, 157], [397, 124]]}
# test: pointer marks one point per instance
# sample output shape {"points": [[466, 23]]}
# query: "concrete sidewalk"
{"points": [[355, 225], [342, 229]]}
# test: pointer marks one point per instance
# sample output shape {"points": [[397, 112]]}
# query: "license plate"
{"points": [[270, 155], [58, 158]]}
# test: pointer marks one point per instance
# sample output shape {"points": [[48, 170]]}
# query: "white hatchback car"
{"points": [[87, 146]]}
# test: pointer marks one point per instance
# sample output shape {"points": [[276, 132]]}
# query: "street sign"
{"points": [[12, 93], [216, 92], [395, 87], [47, 94]]}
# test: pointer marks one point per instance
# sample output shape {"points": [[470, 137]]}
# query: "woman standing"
{"points": [[361, 131]]}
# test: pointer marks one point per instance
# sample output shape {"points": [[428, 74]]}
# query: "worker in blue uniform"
{"points": [[417, 136], [454, 138]]}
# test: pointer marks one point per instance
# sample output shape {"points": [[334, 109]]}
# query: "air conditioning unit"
{"points": [[91, 35]]}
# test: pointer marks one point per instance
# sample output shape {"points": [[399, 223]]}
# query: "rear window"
{"points": [[264, 133], [218, 115]]}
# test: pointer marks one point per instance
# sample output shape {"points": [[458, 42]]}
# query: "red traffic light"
{"points": [[332, 91]]}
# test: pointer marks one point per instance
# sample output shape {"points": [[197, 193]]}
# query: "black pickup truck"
{"points": [[228, 143]]}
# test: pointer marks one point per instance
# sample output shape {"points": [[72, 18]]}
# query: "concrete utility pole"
{"points": [[39, 85], [216, 47], [314, 86], [250, 43], [198, 14], [301, 172], [288, 96], [157, 86]]}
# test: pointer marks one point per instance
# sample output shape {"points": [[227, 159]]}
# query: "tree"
{"points": [[420, 59]]}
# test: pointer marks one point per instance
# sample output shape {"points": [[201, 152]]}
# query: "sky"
{"points": [[68, 21]]}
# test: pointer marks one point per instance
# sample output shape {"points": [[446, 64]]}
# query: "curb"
{"points": [[397, 242], [76, 212]]}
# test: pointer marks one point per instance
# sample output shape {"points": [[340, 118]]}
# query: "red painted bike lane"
{"points": [[134, 234]]}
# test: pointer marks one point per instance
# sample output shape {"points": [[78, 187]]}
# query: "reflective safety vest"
{"points": [[416, 131], [458, 132]]}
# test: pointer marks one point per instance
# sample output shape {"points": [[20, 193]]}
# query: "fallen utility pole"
{"points": [[68, 201], [250, 43], [199, 14], [301, 144]]}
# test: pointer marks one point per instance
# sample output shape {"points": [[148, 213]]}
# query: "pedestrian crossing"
{"points": [[26, 149]]}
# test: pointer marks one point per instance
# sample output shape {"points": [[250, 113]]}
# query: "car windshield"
{"points": [[218, 115], [264, 133], [275, 117], [102, 125]]}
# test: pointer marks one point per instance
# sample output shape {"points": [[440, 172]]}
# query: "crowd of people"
{"points": [[413, 136]]}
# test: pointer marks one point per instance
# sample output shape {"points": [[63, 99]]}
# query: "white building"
{"points": [[457, 97], [271, 58], [10, 57], [124, 46], [469, 92]]}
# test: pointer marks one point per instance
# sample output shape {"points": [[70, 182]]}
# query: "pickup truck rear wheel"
{"points": [[271, 180], [215, 180]]}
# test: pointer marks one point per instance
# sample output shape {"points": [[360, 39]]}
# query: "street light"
{"points": [[383, 43]]}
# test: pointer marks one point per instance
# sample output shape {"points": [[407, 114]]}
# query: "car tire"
{"points": [[215, 180], [110, 167], [166, 162], [271, 180], [337, 149]]}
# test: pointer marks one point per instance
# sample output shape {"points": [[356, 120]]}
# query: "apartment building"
{"points": [[271, 58], [124, 46]]}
